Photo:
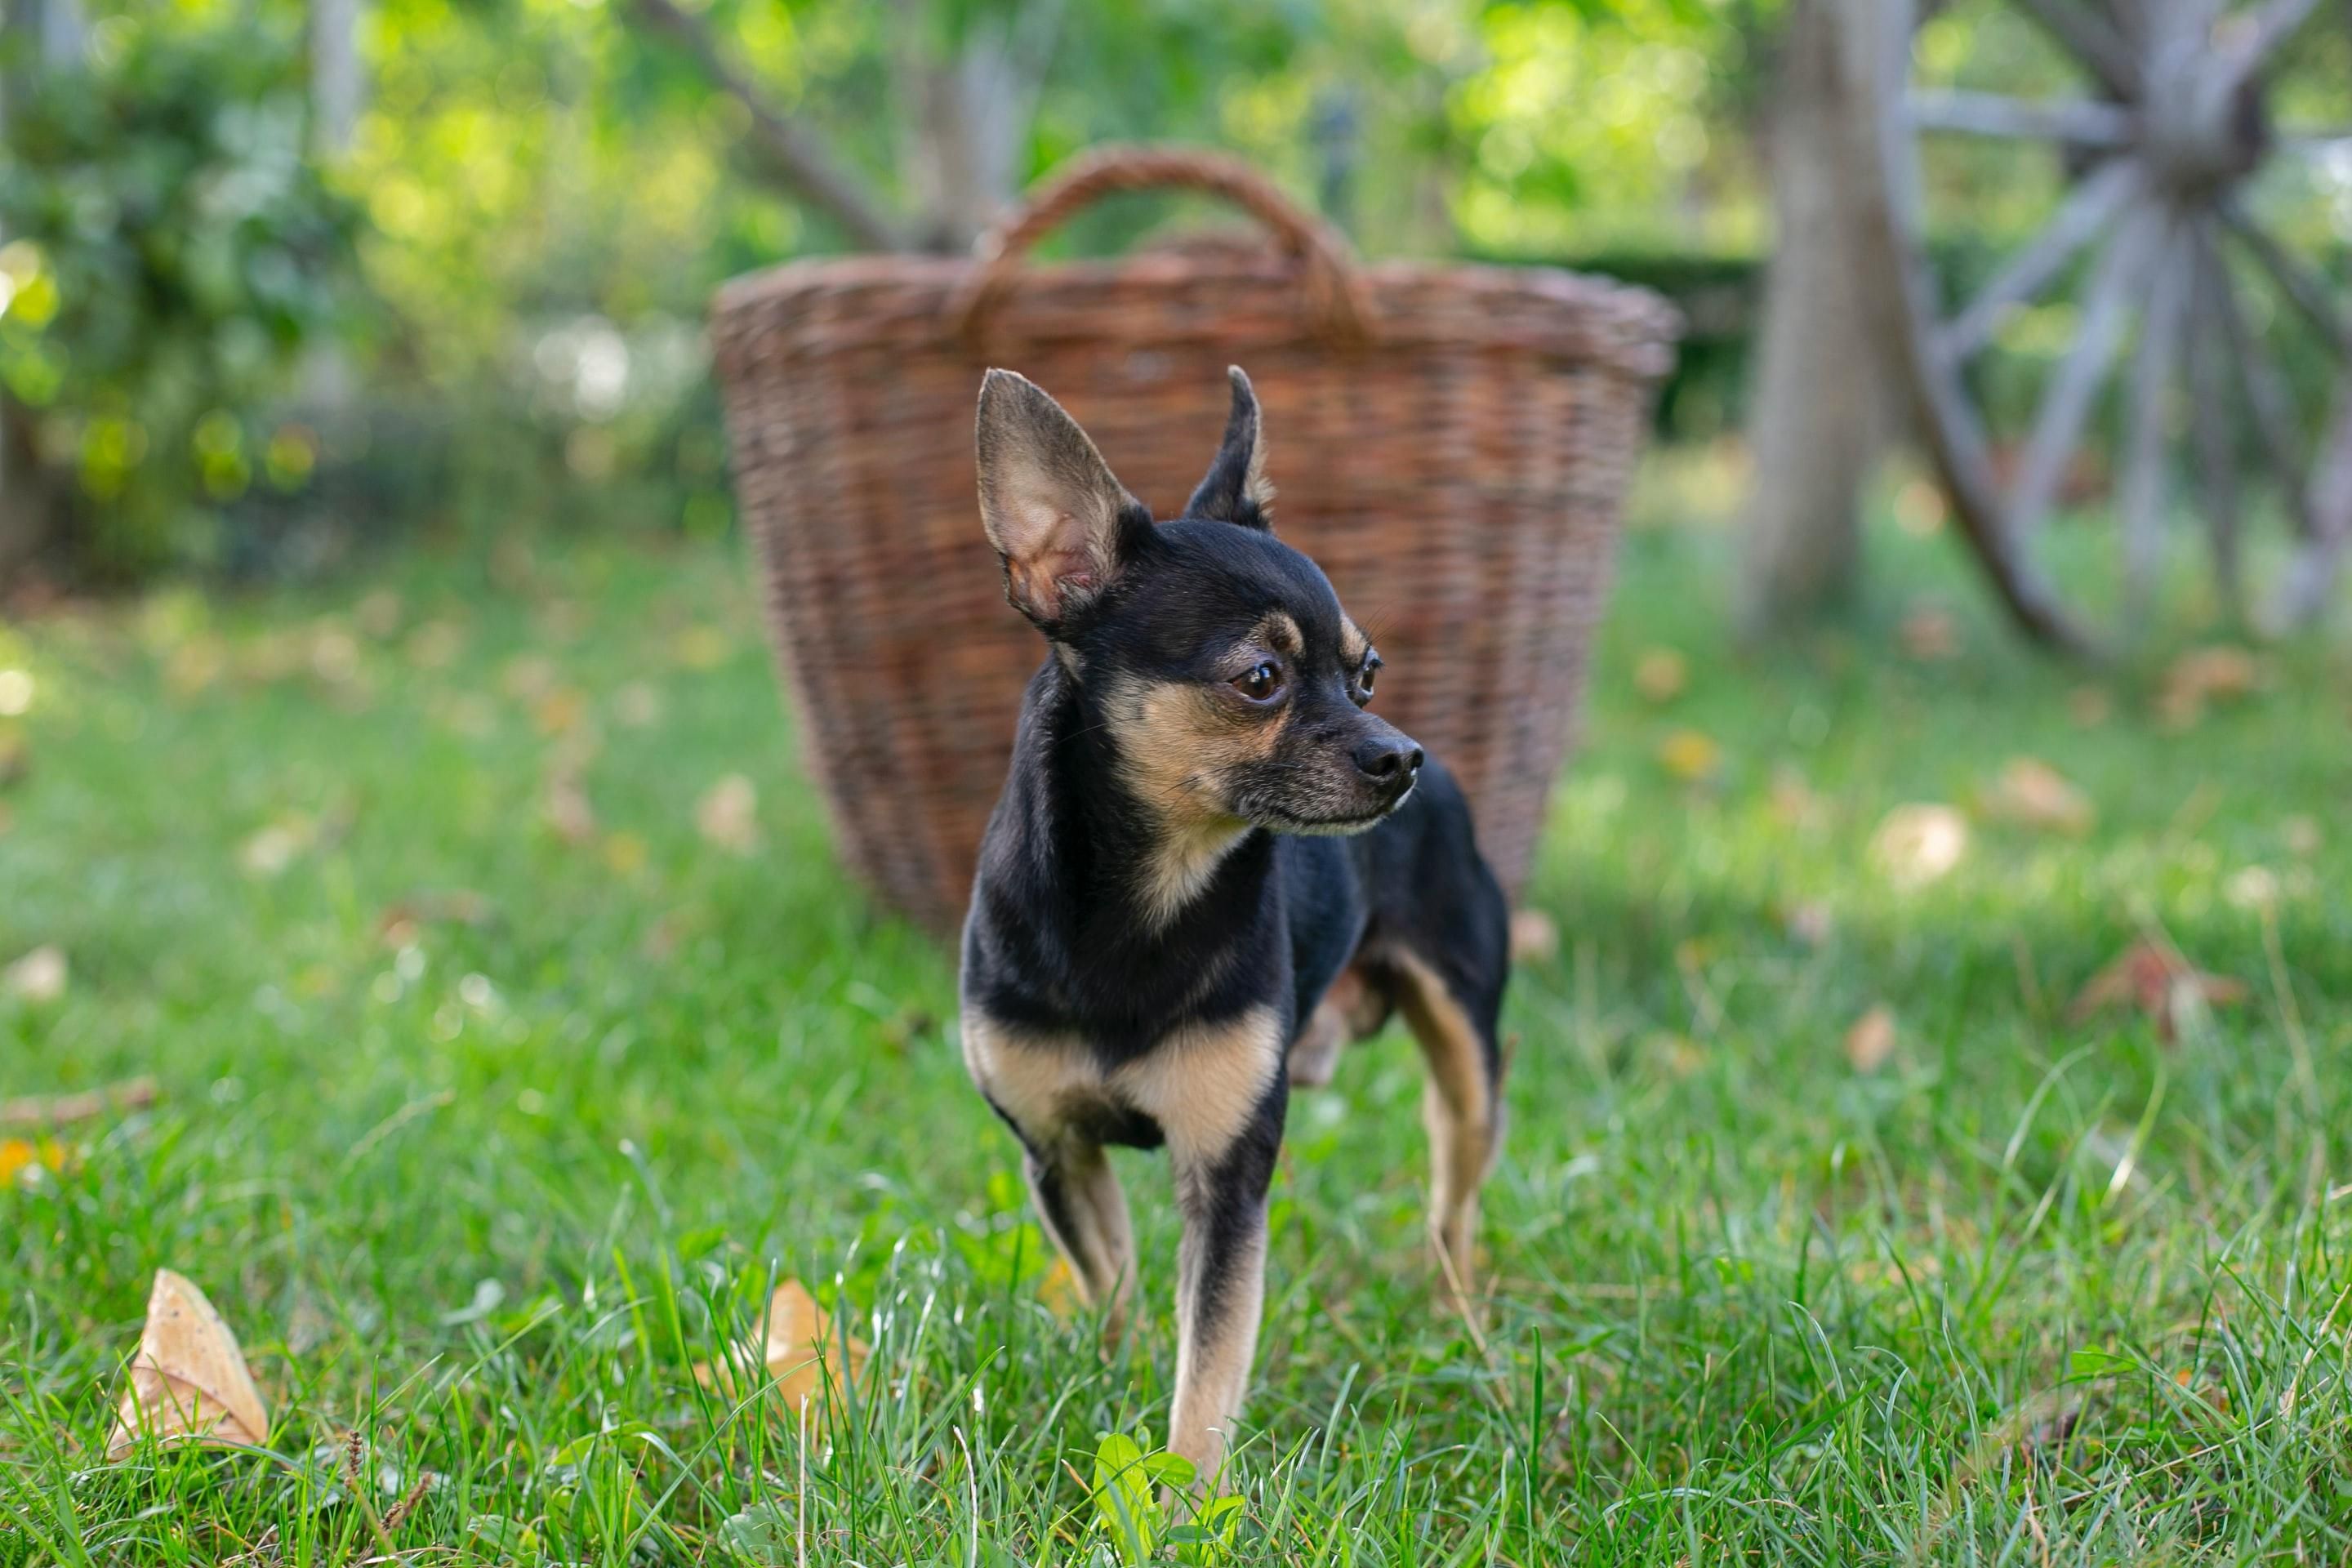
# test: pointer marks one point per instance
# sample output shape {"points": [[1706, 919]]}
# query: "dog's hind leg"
{"points": [[1462, 1105], [1085, 1213]]}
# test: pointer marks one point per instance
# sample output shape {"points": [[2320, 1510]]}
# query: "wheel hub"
{"points": [[2203, 123]]}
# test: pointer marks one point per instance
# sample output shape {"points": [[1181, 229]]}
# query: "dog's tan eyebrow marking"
{"points": [[1353, 644], [1279, 632]]}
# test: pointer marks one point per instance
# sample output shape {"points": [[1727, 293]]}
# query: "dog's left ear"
{"points": [[1062, 525], [1235, 489]]}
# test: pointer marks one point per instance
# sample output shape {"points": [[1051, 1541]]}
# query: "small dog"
{"points": [[1171, 926]]}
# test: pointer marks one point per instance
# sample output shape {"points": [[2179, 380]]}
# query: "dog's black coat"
{"points": [[1070, 938]]}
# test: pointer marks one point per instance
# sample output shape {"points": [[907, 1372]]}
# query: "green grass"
{"points": [[482, 1190]]}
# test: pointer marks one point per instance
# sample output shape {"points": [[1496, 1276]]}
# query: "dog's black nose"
{"points": [[1388, 758]]}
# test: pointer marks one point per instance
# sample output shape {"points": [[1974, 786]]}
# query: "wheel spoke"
{"points": [[2087, 209], [2266, 26], [2091, 39], [2266, 392], [2303, 592], [2210, 409], [2082, 123], [2315, 144], [2140, 498], [2311, 295], [2058, 425]]}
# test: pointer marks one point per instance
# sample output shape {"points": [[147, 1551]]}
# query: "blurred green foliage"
{"points": [[512, 258], [170, 253]]}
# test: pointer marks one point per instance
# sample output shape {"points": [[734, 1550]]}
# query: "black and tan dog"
{"points": [[1171, 926]]}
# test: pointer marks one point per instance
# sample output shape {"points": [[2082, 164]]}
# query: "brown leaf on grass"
{"points": [[1917, 844], [1661, 674], [560, 712], [729, 814], [1535, 937], [39, 976], [798, 1355], [405, 919], [189, 1382], [2089, 706], [2204, 675], [2154, 978], [1929, 633], [566, 809], [1871, 1040], [2029, 793], [58, 1110]]}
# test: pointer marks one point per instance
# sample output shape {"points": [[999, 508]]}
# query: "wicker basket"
{"points": [[1453, 444]]}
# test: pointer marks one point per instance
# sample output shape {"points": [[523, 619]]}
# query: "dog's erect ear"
{"points": [[1236, 489], [1061, 522]]}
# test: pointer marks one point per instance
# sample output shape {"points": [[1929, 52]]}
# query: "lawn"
{"points": [[507, 1059]]}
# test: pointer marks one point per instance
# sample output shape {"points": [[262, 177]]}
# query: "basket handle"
{"points": [[1335, 295]]}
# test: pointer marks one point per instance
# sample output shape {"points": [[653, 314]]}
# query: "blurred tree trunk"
{"points": [[29, 504], [338, 80], [966, 80], [1825, 392], [966, 101]]}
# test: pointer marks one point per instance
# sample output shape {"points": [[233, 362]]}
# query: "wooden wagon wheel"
{"points": [[2180, 284]]}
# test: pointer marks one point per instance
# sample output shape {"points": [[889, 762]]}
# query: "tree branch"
{"points": [[802, 160]]}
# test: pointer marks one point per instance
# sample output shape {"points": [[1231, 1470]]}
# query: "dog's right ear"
{"points": [[1062, 524]]}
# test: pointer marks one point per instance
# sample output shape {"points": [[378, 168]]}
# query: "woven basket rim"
{"points": [[1638, 320]]}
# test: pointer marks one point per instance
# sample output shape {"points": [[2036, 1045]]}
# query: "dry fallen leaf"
{"points": [[2156, 980], [801, 1353], [1872, 1039], [1916, 844], [189, 1382], [1689, 755], [39, 976], [2205, 675], [2029, 793], [566, 808], [58, 1110], [729, 814], [2089, 706], [1535, 937], [1929, 633], [1661, 674]]}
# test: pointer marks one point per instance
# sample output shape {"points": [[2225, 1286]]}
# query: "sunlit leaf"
{"points": [[189, 1382]]}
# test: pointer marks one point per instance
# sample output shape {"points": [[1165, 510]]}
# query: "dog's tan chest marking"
{"points": [[1200, 1085]]}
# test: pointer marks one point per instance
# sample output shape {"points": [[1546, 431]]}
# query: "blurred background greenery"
{"points": [[247, 328], [282, 279]]}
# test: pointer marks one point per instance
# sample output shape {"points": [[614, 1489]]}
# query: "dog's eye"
{"points": [[1260, 683], [1364, 678]]}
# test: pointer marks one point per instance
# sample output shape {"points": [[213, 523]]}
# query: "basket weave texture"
{"points": [[1452, 443]]}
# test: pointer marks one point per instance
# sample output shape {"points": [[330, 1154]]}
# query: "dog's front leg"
{"points": [[1085, 1214], [1221, 1281]]}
